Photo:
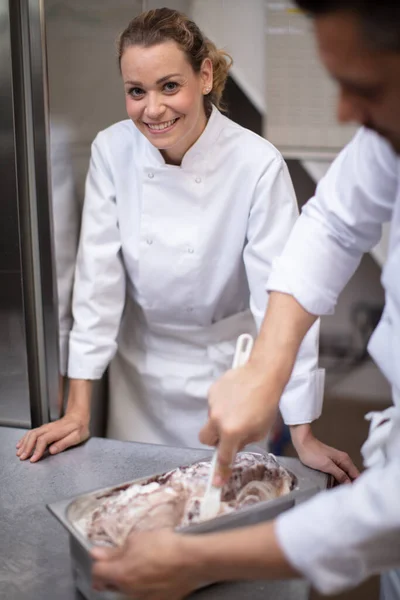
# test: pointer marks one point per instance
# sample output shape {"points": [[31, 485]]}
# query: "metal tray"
{"points": [[308, 483]]}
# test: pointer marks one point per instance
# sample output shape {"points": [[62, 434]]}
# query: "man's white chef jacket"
{"points": [[342, 536]]}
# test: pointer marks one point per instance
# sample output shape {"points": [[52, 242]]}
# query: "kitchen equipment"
{"points": [[212, 498]]}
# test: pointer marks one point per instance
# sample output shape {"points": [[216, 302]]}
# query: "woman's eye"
{"points": [[135, 92], [171, 86]]}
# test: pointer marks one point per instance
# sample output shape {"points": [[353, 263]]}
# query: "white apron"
{"points": [[159, 379]]}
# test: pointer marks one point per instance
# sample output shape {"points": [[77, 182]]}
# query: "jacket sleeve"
{"points": [[342, 536], [99, 289], [337, 226], [272, 216]]}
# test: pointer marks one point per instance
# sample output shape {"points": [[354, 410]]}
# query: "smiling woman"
{"points": [[164, 96], [172, 76], [184, 213]]}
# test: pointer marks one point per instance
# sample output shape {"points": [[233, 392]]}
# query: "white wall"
{"points": [[85, 89], [238, 26]]}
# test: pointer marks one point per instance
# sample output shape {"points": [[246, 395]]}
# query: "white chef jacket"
{"points": [[345, 535], [189, 248]]}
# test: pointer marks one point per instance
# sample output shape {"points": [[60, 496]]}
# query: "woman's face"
{"points": [[165, 97]]}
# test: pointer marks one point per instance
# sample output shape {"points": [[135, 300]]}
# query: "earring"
{"points": [[207, 90]]}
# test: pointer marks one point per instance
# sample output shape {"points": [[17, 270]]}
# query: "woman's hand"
{"points": [[71, 430], [317, 455]]}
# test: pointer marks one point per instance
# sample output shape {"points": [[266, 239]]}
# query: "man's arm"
{"points": [[259, 384], [243, 403], [171, 566], [335, 540], [326, 245]]}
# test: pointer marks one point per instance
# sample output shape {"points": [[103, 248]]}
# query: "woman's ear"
{"points": [[206, 74]]}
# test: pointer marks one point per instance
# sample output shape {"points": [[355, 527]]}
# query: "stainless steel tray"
{"points": [[308, 483]]}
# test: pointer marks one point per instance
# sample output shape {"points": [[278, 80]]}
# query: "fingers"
{"points": [[62, 438], [108, 570], [69, 440], [56, 435], [229, 443], [42, 442], [338, 473], [344, 461], [28, 443], [40, 447], [209, 434], [227, 449], [20, 442], [106, 553], [35, 442]]}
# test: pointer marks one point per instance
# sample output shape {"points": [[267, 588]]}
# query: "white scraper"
{"points": [[210, 504]]}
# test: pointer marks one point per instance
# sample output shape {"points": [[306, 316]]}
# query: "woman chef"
{"points": [[183, 215]]}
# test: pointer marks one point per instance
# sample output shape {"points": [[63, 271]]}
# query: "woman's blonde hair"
{"points": [[163, 25]]}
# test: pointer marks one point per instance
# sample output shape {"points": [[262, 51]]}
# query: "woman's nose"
{"points": [[155, 107]]}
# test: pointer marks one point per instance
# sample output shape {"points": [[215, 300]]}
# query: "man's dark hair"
{"points": [[380, 19]]}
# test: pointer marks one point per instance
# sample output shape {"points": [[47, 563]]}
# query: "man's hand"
{"points": [[151, 565], [58, 436], [163, 565], [241, 411], [317, 455], [243, 403]]}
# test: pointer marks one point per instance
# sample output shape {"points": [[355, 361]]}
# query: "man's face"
{"points": [[369, 79]]}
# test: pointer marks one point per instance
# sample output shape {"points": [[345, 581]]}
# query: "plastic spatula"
{"points": [[210, 504]]}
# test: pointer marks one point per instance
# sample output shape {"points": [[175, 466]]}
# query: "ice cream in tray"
{"points": [[173, 499], [261, 487]]}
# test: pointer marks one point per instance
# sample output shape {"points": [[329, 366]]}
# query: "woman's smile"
{"points": [[162, 127]]}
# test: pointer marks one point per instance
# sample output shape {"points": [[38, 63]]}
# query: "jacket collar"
{"points": [[200, 149]]}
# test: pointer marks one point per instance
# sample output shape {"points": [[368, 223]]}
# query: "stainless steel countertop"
{"points": [[34, 551]]}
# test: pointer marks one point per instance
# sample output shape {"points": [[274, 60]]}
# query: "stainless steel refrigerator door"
{"points": [[28, 193], [14, 391]]}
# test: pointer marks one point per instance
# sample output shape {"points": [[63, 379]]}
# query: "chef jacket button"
{"points": [[149, 241], [150, 175], [198, 180], [190, 250], [189, 309]]}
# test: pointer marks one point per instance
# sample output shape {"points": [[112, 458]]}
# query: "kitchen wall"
{"points": [[85, 88], [238, 26]]}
